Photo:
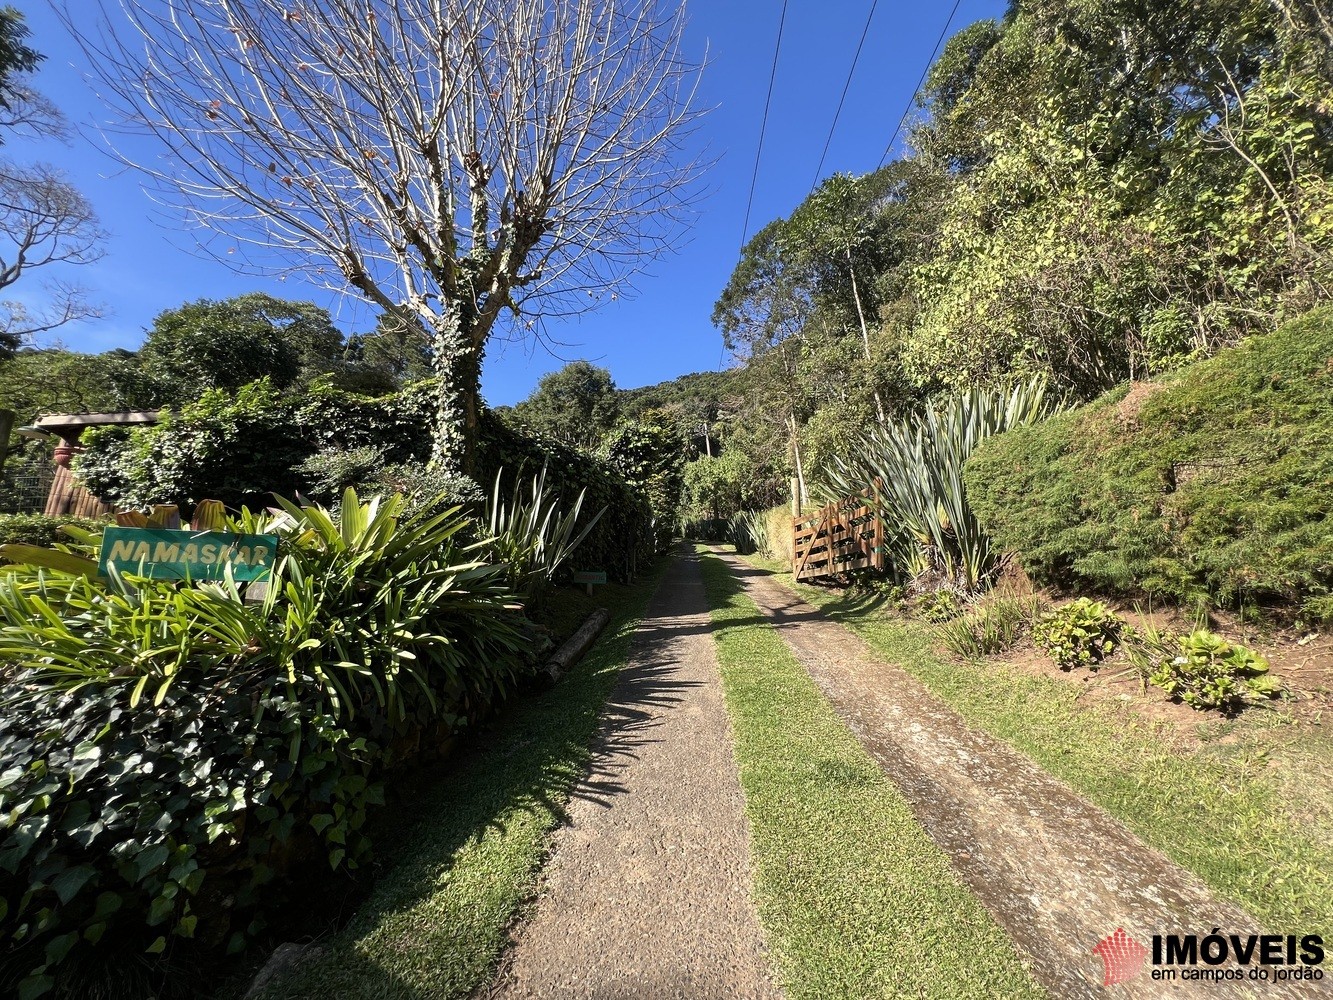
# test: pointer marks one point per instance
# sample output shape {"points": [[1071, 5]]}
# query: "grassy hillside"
{"points": [[1213, 485]]}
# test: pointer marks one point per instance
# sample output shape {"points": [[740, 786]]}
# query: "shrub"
{"points": [[1206, 671], [331, 470], [992, 628], [239, 445], [428, 489], [532, 534], [914, 468], [1082, 633], [650, 453], [707, 529], [623, 538], [1209, 486], [748, 532], [39, 529], [171, 751]]}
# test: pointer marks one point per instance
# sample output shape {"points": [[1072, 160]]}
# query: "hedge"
{"points": [[171, 754], [238, 446], [1212, 486], [622, 540], [40, 529]]}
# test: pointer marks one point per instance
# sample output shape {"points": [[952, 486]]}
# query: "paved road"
{"points": [[647, 894]]}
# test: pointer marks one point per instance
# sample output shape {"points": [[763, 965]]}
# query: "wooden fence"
{"points": [[68, 496], [845, 535]]}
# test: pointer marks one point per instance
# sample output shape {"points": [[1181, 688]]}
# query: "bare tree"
{"points": [[452, 160], [44, 221]]}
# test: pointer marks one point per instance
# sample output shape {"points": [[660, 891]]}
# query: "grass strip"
{"points": [[855, 898], [1249, 810], [436, 922]]}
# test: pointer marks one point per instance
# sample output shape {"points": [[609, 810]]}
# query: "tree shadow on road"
{"points": [[445, 891]]}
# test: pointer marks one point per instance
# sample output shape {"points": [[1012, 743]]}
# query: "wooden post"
{"points": [[879, 525]]}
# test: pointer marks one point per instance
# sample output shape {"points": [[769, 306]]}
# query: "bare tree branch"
{"points": [[453, 159], [44, 223]]}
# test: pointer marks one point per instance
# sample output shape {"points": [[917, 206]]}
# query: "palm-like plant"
{"points": [[531, 534], [914, 466], [366, 611]]}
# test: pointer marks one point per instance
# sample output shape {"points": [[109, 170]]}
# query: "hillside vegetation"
{"points": [[1209, 485]]}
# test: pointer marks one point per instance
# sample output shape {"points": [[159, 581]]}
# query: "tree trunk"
{"points": [[457, 362], [865, 333]]}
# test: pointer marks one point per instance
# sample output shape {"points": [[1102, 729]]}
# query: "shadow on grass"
{"points": [[843, 605], [473, 831]]}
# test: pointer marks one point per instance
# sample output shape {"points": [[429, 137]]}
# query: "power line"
{"points": [[837, 114], [912, 100], [763, 126]]}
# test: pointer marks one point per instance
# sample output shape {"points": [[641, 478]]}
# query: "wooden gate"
{"points": [[845, 535]]}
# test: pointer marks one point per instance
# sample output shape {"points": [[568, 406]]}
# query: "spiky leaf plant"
{"points": [[913, 469], [531, 533]]}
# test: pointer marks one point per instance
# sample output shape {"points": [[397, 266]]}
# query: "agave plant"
{"points": [[913, 469], [748, 531], [531, 534]]}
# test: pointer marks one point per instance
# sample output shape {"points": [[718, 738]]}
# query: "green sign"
{"points": [[589, 577], [166, 554]]}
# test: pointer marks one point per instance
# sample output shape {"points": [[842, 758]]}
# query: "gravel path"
{"points": [[1058, 873], [647, 893]]}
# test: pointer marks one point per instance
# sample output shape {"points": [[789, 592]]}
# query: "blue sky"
{"points": [[663, 330]]}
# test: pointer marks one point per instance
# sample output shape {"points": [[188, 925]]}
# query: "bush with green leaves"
{"points": [[427, 488], [707, 529], [623, 538], [936, 606], [649, 452], [171, 751], [748, 532], [239, 445], [40, 529], [1209, 486], [532, 533], [912, 468], [1082, 633], [1206, 671]]}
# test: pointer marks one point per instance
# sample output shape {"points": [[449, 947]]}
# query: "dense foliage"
{"points": [[237, 444], [1211, 485], [1205, 671], [649, 453], [1097, 192], [38, 529], [911, 468], [1081, 633], [576, 405], [171, 752], [622, 541]]}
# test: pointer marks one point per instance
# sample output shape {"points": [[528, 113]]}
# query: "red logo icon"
{"points": [[1122, 956]]}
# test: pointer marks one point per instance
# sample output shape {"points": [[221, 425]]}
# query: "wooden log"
{"points": [[576, 645]]}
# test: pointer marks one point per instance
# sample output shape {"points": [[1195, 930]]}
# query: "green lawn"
{"points": [[1249, 809], [437, 921], [855, 898]]}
